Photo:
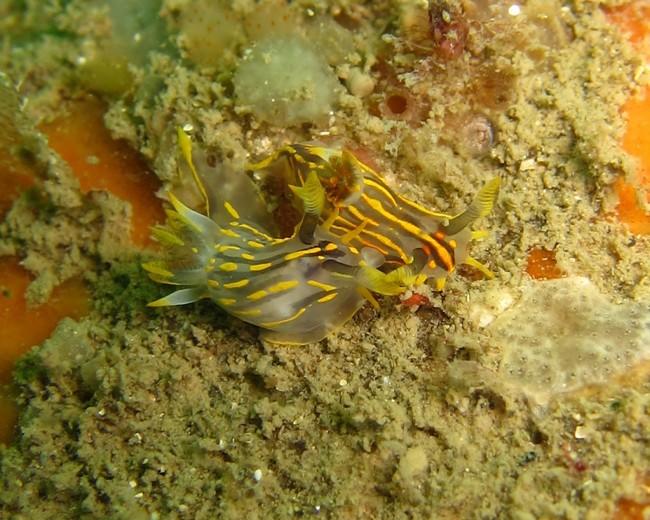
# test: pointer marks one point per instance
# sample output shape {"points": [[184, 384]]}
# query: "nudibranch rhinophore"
{"points": [[356, 237]]}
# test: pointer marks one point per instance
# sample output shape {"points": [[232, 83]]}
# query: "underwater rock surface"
{"points": [[138, 413]]}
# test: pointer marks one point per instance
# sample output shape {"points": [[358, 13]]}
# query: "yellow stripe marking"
{"points": [[364, 242], [341, 229], [270, 324], [320, 285], [260, 267], [415, 205], [257, 295], [388, 242], [385, 192], [228, 266], [229, 233], [222, 248], [254, 230], [354, 233], [298, 254], [343, 222], [249, 312], [247, 256], [380, 237], [412, 229], [226, 301], [236, 285], [231, 210], [214, 284], [257, 245], [407, 226], [360, 216], [327, 298], [283, 286]]}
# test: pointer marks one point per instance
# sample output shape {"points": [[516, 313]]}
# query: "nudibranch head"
{"points": [[416, 244]]}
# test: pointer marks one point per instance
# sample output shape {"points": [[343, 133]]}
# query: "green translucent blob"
{"points": [[285, 82]]}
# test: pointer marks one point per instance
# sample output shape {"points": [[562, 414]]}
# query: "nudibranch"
{"points": [[356, 237]]}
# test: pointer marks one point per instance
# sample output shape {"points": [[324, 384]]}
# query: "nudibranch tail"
{"points": [[181, 297], [473, 262]]}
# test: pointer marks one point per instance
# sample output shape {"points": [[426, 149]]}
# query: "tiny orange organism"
{"points": [[542, 265]]}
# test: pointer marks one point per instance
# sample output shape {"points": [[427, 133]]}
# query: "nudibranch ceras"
{"points": [[351, 200], [226, 250]]}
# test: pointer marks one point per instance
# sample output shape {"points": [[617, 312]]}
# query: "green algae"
{"points": [[181, 413]]}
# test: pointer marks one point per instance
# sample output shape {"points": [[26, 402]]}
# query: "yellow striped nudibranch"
{"points": [[355, 237]]}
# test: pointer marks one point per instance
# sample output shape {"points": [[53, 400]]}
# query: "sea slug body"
{"points": [[356, 237]]}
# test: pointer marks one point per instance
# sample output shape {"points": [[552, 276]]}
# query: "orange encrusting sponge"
{"points": [[103, 163], [23, 326], [634, 19], [627, 509], [15, 177], [637, 142], [100, 163]]}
